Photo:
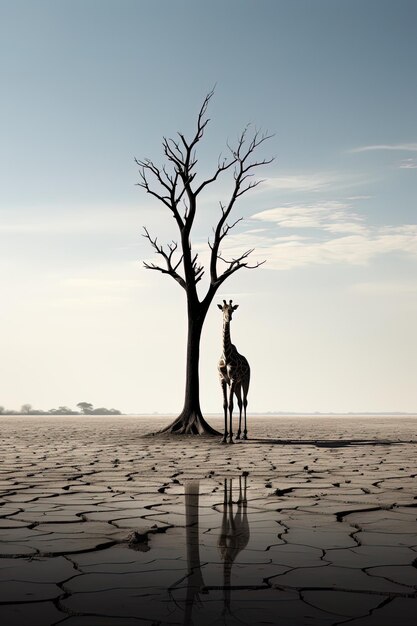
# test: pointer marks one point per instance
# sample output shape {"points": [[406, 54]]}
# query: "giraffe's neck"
{"points": [[227, 342]]}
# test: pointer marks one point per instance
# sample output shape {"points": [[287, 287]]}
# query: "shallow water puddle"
{"points": [[235, 550]]}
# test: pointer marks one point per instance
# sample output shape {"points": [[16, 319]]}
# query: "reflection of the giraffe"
{"points": [[233, 538], [235, 533]]}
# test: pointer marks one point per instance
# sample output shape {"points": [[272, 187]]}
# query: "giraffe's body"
{"points": [[234, 372]]}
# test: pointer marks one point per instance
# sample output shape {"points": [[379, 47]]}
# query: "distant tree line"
{"points": [[86, 408]]}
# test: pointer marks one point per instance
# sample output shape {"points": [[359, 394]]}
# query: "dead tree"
{"points": [[174, 185]]}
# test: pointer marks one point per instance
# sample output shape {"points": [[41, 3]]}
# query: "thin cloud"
{"points": [[300, 182], [408, 164], [406, 147], [403, 229], [385, 288], [325, 233], [350, 249], [329, 216], [77, 220]]}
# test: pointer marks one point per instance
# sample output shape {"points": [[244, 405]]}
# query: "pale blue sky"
{"points": [[329, 322]]}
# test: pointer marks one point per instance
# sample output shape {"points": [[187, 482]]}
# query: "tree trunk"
{"points": [[191, 421]]}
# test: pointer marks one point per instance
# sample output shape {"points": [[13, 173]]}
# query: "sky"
{"points": [[328, 323]]}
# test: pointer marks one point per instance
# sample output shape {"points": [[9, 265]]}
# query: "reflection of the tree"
{"points": [[194, 576], [233, 538]]}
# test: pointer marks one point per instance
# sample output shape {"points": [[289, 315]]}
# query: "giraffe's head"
{"points": [[227, 310]]}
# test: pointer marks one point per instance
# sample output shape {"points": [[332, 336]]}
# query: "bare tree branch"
{"points": [[165, 180], [237, 264], [198, 269], [243, 171], [175, 190], [170, 269], [144, 183], [221, 167]]}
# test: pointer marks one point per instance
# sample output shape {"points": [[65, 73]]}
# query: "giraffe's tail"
{"points": [[245, 384]]}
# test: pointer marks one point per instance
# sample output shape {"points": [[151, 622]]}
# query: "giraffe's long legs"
{"points": [[232, 391], [238, 393], [224, 389], [245, 404], [245, 430]]}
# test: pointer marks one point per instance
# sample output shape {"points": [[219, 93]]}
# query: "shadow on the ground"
{"points": [[328, 443], [318, 443]]}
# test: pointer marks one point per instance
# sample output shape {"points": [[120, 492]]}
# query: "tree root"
{"points": [[192, 423]]}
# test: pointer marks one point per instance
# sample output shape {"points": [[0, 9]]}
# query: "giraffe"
{"points": [[234, 371]]}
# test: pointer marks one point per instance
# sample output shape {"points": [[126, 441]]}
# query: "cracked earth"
{"points": [[311, 521]]}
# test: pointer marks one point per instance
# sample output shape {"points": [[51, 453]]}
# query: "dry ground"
{"points": [[100, 526]]}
